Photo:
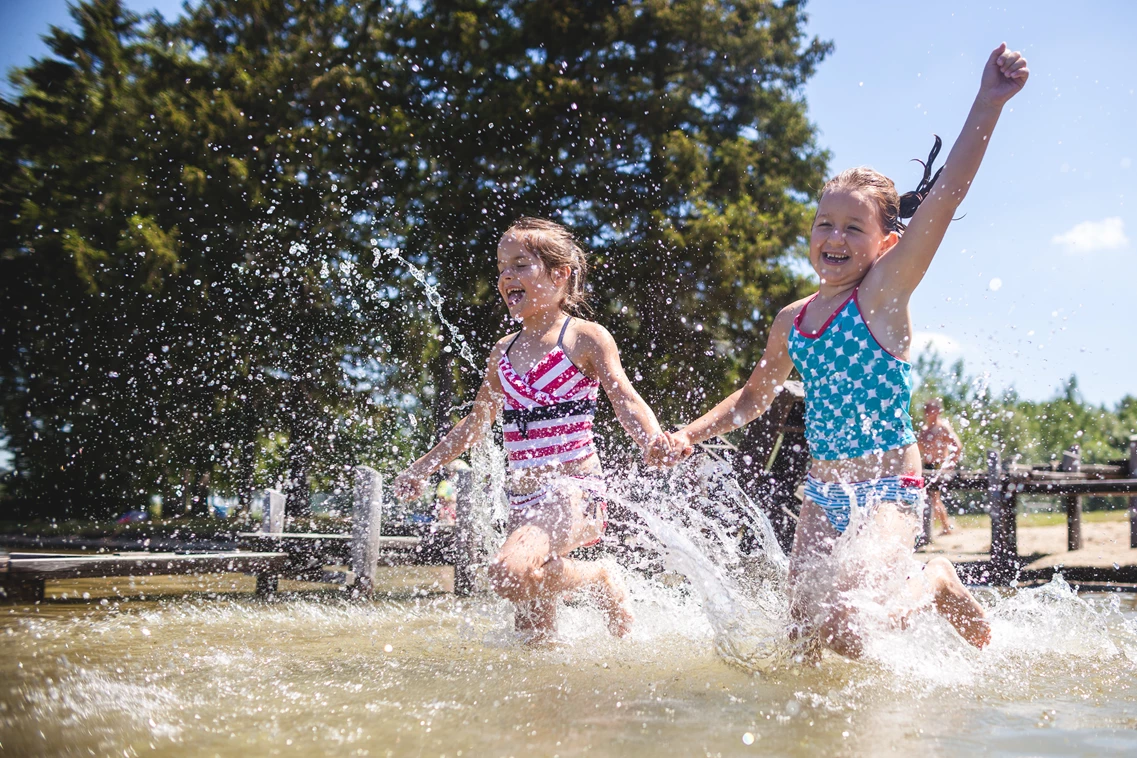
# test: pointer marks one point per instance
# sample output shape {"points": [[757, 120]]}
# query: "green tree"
{"points": [[169, 219], [1025, 431], [196, 218], [671, 136]]}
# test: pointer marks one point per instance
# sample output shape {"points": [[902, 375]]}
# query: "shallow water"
{"points": [[425, 673]]}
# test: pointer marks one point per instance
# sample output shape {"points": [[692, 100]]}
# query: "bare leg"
{"points": [[810, 575], [865, 566], [531, 570], [536, 619], [940, 512], [956, 604], [566, 574]]}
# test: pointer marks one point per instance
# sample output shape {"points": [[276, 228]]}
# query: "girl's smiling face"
{"points": [[847, 237], [524, 283]]}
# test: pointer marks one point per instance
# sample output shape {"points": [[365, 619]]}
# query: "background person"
{"points": [[941, 449]]}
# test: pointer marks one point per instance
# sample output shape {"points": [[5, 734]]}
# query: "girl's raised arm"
{"points": [[412, 483], [900, 269], [748, 403], [598, 353]]}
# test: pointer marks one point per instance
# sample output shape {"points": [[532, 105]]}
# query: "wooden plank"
{"points": [[141, 564], [1079, 487], [384, 543], [296, 536], [1072, 464], [1133, 499], [1004, 535], [272, 514], [465, 550], [366, 525]]}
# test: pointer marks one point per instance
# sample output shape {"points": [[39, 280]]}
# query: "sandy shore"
{"points": [[1104, 544]]}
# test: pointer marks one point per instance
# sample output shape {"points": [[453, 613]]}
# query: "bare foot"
{"points": [[613, 600]]}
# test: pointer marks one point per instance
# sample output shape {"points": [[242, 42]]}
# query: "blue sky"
{"points": [[1037, 281]]}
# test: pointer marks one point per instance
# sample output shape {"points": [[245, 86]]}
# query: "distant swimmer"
{"points": [[941, 449]]}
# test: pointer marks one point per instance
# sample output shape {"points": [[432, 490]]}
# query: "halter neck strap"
{"points": [[561, 338]]}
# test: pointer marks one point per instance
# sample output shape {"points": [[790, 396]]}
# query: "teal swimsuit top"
{"points": [[856, 393]]}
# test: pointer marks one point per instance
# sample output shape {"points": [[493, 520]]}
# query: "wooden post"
{"points": [[272, 514], [926, 537], [464, 543], [1133, 499], [267, 584], [272, 522], [1072, 462], [366, 526], [17, 589], [1004, 537]]}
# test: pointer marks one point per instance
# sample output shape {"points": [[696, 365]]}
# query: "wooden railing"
{"points": [[1004, 484]]}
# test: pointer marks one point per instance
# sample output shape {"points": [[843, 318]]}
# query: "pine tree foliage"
{"points": [[196, 221]]}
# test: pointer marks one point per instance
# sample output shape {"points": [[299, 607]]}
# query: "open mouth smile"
{"points": [[513, 296], [835, 258]]}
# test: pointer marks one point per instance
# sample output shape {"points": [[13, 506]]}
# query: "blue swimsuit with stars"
{"points": [[856, 402]]}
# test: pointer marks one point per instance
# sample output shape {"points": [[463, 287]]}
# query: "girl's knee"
{"points": [[940, 572], [516, 583]]}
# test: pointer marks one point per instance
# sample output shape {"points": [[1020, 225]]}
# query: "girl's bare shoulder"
{"points": [[500, 346], [590, 333], [787, 315]]}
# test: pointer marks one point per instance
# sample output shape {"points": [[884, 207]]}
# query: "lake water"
{"points": [[419, 672]]}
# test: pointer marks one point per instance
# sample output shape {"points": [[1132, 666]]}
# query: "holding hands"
{"points": [[668, 448]]}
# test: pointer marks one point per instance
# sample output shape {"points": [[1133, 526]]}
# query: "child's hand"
{"points": [[667, 449], [657, 451], [409, 485], [681, 447], [1004, 76]]}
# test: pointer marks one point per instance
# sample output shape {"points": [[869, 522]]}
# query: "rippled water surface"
{"points": [[425, 673]]}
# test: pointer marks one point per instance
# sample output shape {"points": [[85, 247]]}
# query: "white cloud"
{"points": [[928, 342], [1090, 236]]}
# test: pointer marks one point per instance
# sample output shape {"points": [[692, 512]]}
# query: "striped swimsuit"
{"points": [[548, 410], [547, 416]]}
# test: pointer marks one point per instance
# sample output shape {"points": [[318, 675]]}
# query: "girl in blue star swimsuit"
{"points": [[850, 342]]}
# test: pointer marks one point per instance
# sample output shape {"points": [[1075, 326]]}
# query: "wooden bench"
{"points": [[22, 575]]}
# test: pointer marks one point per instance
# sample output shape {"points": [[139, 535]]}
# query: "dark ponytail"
{"points": [[910, 201], [892, 207]]}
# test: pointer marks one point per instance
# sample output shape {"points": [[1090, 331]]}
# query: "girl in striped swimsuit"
{"points": [[850, 341], [556, 489]]}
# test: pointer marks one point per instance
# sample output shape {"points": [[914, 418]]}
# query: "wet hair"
{"points": [[554, 245], [893, 207]]}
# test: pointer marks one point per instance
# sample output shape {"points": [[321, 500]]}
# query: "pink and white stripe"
{"points": [[552, 380]]}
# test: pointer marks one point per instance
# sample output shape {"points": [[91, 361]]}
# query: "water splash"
{"points": [[435, 299]]}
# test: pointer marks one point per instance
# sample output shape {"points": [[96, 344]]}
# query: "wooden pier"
{"points": [[272, 553], [1005, 484], [770, 463], [23, 575]]}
